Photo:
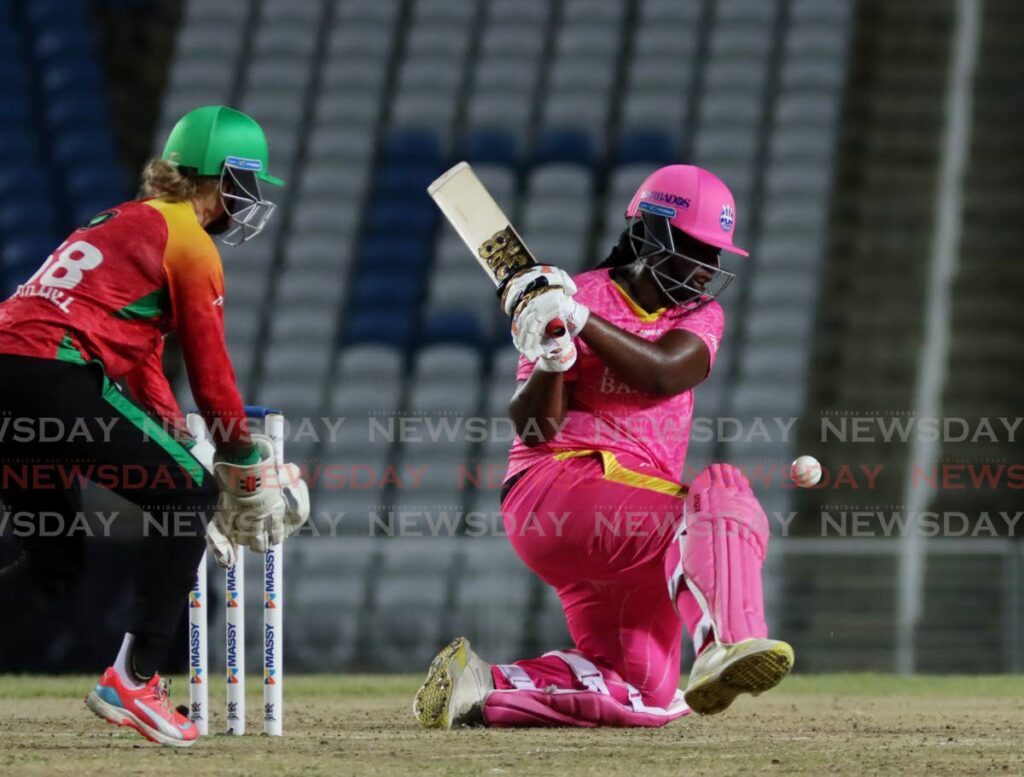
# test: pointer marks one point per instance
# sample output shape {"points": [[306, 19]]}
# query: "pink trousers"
{"points": [[601, 541]]}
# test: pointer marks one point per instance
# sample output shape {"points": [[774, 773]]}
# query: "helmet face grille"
{"points": [[247, 210], [687, 281]]}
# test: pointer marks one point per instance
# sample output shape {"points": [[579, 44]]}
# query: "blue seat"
{"points": [[565, 145], [62, 80], [414, 146], [391, 327], [19, 174], [67, 44], [453, 326], [91, 148], [8, 23], [400, 181], [56, 14], [77, 113], [15, 150], [373, 289], [393, 254], [96, 180], [646, 145], [414, 218], [502, 337], [16, 110], [31, 250], [13, 72], [36, 188], [15, 275], [493, 146], [26, 216]]}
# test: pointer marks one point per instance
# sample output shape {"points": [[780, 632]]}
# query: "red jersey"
{"points": [[114, 289]]}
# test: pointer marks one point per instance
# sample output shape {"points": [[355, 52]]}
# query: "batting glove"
{"points": [[558, 354], [530, 324], [539, 277]]}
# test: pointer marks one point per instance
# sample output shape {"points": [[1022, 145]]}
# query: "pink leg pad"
{"points": [[722, 545]]}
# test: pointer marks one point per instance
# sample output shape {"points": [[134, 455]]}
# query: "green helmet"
{"points": [[207, 138], [218, 141]]}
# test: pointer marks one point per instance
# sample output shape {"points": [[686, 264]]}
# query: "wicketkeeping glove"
{"points": [[218, 531], [260, 504], [203, 451]]}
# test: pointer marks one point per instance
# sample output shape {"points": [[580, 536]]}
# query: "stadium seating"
{"points": [[57, 142], [359, 304]]}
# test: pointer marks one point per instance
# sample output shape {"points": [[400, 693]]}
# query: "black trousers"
{"points": [[62, 423]]}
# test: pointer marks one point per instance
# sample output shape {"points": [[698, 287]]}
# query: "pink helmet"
{"points": [[694, 201]]}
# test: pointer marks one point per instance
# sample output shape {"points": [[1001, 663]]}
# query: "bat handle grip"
{"points": [[555, 328]]}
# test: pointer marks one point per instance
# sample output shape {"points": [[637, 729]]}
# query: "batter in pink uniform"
{"points": [[593, 502]]}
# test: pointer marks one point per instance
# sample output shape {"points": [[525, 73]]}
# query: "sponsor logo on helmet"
{"points": [[243, 163], [658, 210], [666, 197], [727, 218]]}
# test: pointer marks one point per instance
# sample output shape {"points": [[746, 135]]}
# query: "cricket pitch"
{"points": [[334, 724]]}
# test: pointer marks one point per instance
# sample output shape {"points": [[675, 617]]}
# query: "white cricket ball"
{"points": [[805, 471]]}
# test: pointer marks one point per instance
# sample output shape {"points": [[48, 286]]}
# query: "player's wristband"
{"points": [[244, 457]]}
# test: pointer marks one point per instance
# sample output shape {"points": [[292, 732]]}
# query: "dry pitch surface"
{"points": [[336, 725]]}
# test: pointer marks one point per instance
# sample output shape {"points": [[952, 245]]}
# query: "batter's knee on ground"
{"points": [[586, 696]]}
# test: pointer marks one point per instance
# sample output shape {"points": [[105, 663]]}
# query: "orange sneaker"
{"points": [[147, 710]]}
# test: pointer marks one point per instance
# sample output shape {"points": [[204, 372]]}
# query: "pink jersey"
{"points": [[605, 413]]}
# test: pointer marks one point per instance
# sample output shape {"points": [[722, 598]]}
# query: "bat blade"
{"points": [[483, 227]]}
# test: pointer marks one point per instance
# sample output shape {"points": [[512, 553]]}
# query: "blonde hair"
{"points": [[164, 180]]}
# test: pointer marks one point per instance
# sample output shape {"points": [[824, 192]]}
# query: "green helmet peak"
{"points": [[208, 138]]}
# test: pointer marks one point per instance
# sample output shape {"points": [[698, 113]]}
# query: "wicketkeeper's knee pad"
{"points": [[720, 548]]}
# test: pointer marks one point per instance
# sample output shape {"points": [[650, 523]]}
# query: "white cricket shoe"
{"points": [[457, 684], [723, 672]]}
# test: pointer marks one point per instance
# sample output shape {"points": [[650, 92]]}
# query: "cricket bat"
{"points": [[486, 231]]}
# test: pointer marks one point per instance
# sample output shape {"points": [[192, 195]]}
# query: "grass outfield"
{"points": [[338, 725]]}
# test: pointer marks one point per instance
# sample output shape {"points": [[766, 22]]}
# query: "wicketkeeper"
{"points": [[593, 503], [95, 314]]}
